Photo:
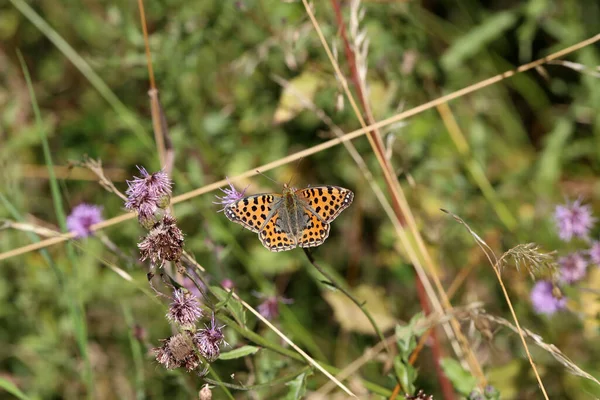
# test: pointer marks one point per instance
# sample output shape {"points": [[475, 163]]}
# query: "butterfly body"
{"points": [[294, 218]]}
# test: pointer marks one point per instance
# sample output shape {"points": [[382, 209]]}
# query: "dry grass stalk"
{"points": [[538, 340], [495, 263]]}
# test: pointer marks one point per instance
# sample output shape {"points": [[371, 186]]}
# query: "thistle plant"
{"points": [[574, 222], [191, 347]]}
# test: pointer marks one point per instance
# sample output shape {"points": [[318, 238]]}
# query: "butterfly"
{"points": [[297, 217]]}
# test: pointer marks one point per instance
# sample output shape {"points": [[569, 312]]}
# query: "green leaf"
{"points": [[239, 352], [295, 95], [478, 38], [462, 380], [297, 387], [12, 389], [234, 306], [550, 163], [406, 336], [406, 373]]}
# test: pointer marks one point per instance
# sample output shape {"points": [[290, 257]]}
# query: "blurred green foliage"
{"points": [[536, 137]]}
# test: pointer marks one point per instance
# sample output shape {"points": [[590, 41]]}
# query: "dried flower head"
{"points": [[184, 310], [594, 253], [82, 218], [178, 351], [419, 396], [270, 307], [572, 267], [231, 196], [205, 393], [209, 340], [147, 194], [573, 219], [544, 299], [163, 243]]}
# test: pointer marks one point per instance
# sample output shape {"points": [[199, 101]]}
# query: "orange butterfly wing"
{"points": [[251, 212], [327, 201], [315, 232]]}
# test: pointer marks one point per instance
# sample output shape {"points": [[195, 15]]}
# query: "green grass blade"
{"points": [[136, 352], [12, 389], [56, 197]]}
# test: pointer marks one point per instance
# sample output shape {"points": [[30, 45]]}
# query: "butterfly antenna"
{"points": [[295, 171], [268, 177]]}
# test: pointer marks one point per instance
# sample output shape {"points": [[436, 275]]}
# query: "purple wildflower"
{"points": [[147, 194], [573, 219], [572, 267], [184, 309], [227, 284], [209, 341], [82, 218], [178, 351], [231, 195], [544, 300], [270, 307], [163, 243], [594, 253]]}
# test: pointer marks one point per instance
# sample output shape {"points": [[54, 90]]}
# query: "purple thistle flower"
{"points": [[163, 243], [178, 351], [209, 341], [184, 310], [148, 193], [82, 218], [270, 307], [544, 300], [231, 195], [572, 267], [573, 219], [594, 253]]}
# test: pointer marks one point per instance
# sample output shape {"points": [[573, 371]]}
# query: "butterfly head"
{"points": [[287, 189]]}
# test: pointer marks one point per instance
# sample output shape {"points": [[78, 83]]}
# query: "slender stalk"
{"points": [[514, 315], [341, 288]]}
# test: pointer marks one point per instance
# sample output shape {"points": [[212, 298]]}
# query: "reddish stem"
{"points": [[446, 386], [351, 58]]}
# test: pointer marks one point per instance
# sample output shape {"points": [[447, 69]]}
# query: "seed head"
{"points": [[573, 219], [163, 243], [205, 393], [184, 310], [177, 351], [82, 218], [544, 299], [421, 395]]}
